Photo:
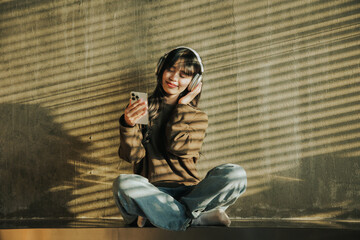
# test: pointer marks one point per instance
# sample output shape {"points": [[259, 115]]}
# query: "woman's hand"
{"points": [[191, 95], [133, 112]]}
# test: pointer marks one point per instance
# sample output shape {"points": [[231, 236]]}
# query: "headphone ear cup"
{"points": [[159, 65], [194, 82]]}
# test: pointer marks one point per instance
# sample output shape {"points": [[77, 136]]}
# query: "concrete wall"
{"points": [[281, 91]]}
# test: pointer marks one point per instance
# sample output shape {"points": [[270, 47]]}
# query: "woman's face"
{"points": [[175, 80]]}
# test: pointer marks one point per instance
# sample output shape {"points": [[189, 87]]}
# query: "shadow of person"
{"points": [[36, 157]]}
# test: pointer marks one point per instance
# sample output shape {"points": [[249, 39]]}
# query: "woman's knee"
{"points": [[232, 173], [127, 181], [239, 171], [230, 169]]}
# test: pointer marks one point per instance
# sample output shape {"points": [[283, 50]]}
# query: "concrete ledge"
{"points": [[115, 229]]}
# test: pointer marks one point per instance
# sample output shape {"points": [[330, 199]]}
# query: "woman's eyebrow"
{"points": [[187, 74]]}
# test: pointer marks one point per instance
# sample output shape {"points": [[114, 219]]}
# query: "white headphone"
{"points": [[196, 79]]}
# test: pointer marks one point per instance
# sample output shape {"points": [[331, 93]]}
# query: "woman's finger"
{"points": [[135, 107], [191, 95], [134, 112], [138, 113], [134, 118], [135, 104]]}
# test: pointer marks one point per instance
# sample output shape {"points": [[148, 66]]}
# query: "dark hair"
{"points": [[191, 66]]}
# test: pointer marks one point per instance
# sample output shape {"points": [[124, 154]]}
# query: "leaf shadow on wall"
{"points": [[36, 156]]}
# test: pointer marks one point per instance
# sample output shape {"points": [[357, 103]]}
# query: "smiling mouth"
{"points": [[171, 85]]}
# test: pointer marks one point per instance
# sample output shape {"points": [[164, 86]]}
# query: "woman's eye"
{"points": [[184, 75]]}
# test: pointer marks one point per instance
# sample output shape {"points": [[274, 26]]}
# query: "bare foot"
{"points": [[141, 221], [216, 217]]}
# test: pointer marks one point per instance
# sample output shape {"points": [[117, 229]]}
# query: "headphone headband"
{"points": [[196, 54]]}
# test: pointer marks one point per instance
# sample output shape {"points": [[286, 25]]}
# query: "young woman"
{"points": [[165, 188]]}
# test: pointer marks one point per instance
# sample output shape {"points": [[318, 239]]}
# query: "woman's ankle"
{"points": [[141, 221]]}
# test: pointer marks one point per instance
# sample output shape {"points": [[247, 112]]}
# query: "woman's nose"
{"points": [[174, 76]]}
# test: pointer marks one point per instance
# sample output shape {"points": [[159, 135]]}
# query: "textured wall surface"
{"points": [[281, 90]]}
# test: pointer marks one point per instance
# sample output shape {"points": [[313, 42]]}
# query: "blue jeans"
{"points": [[174, 208]]}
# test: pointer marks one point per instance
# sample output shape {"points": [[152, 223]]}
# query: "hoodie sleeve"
{"points": [[185, 131], [131, 148]]}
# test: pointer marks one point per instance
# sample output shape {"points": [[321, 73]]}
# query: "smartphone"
{"points": [[194, 82], [135, 96]]}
